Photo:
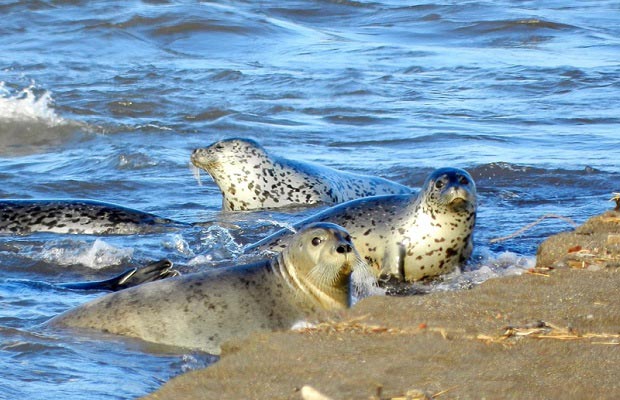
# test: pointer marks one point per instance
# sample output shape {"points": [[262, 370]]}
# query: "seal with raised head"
{"points": [[77, 216], [250, 178], [203, 309], [405, 237]]}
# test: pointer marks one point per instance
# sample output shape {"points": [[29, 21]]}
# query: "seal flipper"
{"points": [[131, 277]]}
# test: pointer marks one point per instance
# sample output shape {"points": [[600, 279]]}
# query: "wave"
{"points": [[29, 123], [518, 25], [510, 172], [27, 106], [94, 255]]}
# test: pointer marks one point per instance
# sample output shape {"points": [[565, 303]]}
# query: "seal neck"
{"points": [[328, 298]]}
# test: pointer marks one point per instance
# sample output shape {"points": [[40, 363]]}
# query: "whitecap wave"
{"points": [[95, 255], [30, 124], [27, 106]]}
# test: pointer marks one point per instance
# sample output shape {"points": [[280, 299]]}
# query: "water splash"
{"points": [[29, 123], [491, 265], [216, 244], [95, 255], [280, 224], [179, 244], [27, 106]]}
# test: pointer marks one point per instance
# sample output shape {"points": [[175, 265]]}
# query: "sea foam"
{"points": [[26, 106], [95, 255]]}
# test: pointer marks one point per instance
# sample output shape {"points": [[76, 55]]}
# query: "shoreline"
{"points": [[553, 332]]}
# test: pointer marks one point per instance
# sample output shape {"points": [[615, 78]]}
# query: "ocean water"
{"points": [[106, 100]]}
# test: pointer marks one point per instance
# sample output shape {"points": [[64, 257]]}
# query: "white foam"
{"points": [[178, 243], [201, 260], [95, 255], [281, 224], [303, 324], [216, 244], [26, 106], [491, 265]]}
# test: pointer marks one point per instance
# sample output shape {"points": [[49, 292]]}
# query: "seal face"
{"points": [[250, 178], [201, 310], [406, 237], [77, 216]]}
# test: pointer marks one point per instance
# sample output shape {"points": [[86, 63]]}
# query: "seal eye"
{"points": [[439, 184], [463, 180], [316, 241]]}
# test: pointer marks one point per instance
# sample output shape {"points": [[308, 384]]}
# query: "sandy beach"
{"points": [[553, 332]]}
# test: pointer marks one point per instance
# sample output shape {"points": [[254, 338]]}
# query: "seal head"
{"points": [[450, 190], [320, 262]]}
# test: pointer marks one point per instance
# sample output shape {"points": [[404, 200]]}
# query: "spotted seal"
{"points": [[250, 178], [405, 237], [77, 216], [203, 309]]}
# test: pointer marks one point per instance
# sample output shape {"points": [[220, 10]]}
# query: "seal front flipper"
{"points": [[131, 277]]}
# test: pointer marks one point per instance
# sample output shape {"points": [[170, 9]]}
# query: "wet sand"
{"points": [[551, 333]]}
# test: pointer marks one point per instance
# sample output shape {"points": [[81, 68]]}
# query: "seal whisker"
{"points": [[195, 172], [326, 274], [363, 280]]}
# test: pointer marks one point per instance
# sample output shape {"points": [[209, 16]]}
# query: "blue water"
{"points": [[106, 100]]}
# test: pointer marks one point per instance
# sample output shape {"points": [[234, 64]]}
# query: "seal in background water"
{"points": [[77, 216], [203, 309], [405, 237], [250, 178]]}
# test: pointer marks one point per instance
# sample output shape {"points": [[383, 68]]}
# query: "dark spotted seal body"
{"points": [[250, 178], [77, 216], [201, 310], [406, 237]]}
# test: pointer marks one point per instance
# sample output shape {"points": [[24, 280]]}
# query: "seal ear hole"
{"points": [[316, 241]]}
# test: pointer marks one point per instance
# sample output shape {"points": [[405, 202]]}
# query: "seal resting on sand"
{"points": [[201, 310]]}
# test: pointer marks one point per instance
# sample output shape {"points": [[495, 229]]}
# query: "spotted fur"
{"points": [[250, 178], [406, 237], [76, 216]]}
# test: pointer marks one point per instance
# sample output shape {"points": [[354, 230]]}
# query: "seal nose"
{"points": [[196, 153], [344, 248]]}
